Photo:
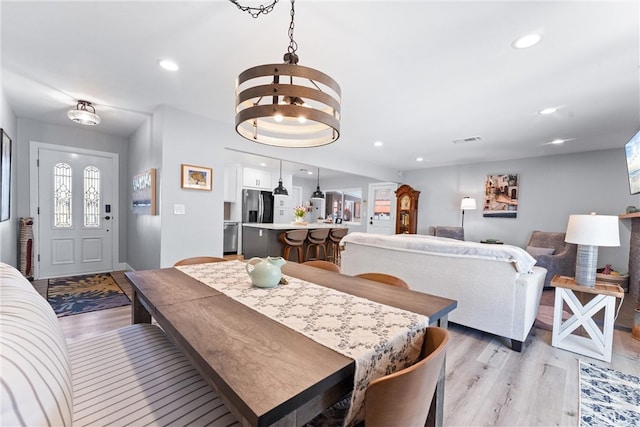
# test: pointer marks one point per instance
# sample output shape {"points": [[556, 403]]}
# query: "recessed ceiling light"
{"points": [[378, 144], [526, 41], [419, 159], [558, 141], [309, 173], [263, 164], [168, 64], [549, 110]]}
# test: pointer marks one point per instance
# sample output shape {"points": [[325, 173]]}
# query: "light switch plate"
{"points": [[178, 209]]}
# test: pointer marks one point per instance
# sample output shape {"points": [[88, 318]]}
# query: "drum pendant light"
{"points": [[287, 105]]}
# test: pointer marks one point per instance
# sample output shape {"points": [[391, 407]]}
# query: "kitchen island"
{"points": [[261, 240]]}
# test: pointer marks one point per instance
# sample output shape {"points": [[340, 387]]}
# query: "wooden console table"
{"points": [[599, 343]]}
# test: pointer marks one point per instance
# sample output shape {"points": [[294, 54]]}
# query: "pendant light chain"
{"points": [[256, 11], [291, 57]]}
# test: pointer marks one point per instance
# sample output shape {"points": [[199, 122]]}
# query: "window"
{"points": [[345, 204], [382, 205], [62, 195], [91, 197]]}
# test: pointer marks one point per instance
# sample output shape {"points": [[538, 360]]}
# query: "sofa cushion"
{"points": [[136, 376], [35, 372], [535, 251]]}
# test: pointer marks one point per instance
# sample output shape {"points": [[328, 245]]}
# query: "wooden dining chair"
{"points": [[198, 260], [403, 398], [387, 279], [325, 265]]}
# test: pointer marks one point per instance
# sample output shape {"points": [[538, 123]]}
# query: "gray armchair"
{"points": [[450, 232], [561, 261]]}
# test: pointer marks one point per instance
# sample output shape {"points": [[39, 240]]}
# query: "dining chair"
{"points": [[403, 398], [325, 265], [198, 260], [387, 279]]}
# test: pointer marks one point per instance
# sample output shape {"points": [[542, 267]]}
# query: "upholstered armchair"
{"points": [[551, 252], [450, 232]]}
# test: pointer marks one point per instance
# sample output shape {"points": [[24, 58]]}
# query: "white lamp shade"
{"points": [[468, 203], [593, 230]]}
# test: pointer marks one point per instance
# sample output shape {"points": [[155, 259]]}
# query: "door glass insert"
{"points": [[91, 197], [62, 195], [382, 205]]}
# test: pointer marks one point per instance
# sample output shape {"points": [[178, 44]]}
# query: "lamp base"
{"points": [[586, 264]]}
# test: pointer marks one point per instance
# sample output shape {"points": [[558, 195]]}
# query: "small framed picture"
{"points": [[196, 178]]}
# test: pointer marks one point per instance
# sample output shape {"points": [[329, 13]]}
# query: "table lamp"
{"points": [[467, 203], [589, 232]]}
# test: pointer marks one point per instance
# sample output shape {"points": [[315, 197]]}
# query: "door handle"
{"points": [[107, 217]]}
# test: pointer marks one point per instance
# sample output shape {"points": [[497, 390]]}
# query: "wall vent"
{"points": [[469, 139]]}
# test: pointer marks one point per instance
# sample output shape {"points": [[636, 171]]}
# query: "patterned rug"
{"points": [[82, 294], [608, 397]]}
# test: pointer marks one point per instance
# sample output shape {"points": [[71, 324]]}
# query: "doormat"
{"points": [[82, 294], [608, 397]]}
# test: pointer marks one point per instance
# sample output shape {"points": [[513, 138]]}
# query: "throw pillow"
{"points": [[534, 251]]}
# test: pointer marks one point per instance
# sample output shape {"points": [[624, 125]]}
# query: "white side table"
{"points": [[599, 342]]}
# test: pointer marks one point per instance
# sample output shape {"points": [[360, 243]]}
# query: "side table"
{"points": [[599, 343]]}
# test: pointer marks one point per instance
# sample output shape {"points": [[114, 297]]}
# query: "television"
{"points": [[632, 152]]}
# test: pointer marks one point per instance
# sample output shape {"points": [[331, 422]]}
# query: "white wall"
{"points": [[551, 188], [9, 229], [192, 140], [143, 232]]}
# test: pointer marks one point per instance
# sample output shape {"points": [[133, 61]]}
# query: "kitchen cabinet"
{"points": [[256, 178], [230, 184]]}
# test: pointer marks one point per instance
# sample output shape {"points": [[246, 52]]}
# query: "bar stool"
{"points": [[317, 239], [293, 239], [335, 236]]}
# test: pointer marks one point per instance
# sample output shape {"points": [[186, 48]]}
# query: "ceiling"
{"points": [[415, 75]]}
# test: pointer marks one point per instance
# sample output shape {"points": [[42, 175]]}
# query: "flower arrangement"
{"points": [[300, 211]]}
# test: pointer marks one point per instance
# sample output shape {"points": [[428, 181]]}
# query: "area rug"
{"points": [[82, 294], [608, 397]]}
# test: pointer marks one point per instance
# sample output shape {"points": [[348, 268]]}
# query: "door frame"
{"points": [[34, 196]]}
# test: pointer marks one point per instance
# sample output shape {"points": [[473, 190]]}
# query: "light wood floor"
{"points": [[486, 384]]}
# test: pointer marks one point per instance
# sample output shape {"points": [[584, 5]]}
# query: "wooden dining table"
{"points": [[265, 372]]}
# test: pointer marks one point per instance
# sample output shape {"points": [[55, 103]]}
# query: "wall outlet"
{"points": [[179, 209]]}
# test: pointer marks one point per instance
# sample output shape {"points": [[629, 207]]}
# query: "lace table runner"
{"points": [[380, 338]]}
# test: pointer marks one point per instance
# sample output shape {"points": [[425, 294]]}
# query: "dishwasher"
{"points": [[230, 237]]}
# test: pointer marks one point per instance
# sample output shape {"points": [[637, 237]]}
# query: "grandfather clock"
{"points": [[407, 212]]}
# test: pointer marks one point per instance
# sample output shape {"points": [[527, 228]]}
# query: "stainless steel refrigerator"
{"points": [[257, 206]]}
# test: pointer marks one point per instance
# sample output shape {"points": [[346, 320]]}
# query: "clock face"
{"points": [[405, 202]]}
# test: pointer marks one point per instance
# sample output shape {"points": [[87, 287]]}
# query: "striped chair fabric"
{"points": [[35, 372], [136, 376], [131, 376]]}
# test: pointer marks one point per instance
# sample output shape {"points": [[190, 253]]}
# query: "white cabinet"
{"points": [[282, 209], [230, 184], [256, 178]]}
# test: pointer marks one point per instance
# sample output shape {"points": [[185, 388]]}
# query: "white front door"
{"points": [[382, 208], [75, 203]]}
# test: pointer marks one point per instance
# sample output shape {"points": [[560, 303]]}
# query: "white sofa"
{"points": [[497, 287], [131, 376]]}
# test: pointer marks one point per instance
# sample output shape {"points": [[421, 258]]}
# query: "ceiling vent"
{"points": [[469, 139]]}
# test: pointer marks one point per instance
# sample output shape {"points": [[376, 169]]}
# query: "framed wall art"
{"points": [[5, 176], [501, 196], [144, 193], [196, 178]]}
